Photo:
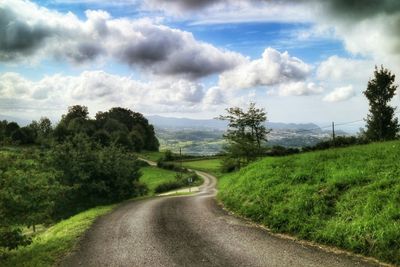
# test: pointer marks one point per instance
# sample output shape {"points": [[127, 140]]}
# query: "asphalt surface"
{"points": [[191, 231]]}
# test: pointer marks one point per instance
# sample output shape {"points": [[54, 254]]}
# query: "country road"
{"points": [[191, 231]]}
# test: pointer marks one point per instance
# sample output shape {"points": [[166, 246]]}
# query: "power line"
{"points": [[336, 124]]}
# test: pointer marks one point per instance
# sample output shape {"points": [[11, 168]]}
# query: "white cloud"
{"points": [[272, 69], [299, 89], [340, 94], [339, 69], [28, 30], [101, 90]]}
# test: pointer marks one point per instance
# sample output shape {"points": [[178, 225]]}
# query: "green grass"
{"points": [[51, 245], [151, 155], [208, 165], [347, 197], [153, 176]]}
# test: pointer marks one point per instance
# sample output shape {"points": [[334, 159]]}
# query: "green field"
{"points": [[151, 155], [209, 165], [153, 176], [51, 245], [347, 197]]}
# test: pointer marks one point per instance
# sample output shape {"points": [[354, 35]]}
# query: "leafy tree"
{"points": [[10, 128], [246, 134], [61, 132], [130, 121], [3, 125], [81, 125], [381, 122], [27, 195], [74, 112], [112, 125], [136, 139], [45, 127]]}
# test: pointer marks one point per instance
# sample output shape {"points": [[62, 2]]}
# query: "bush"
{"points": [[93, 175], [229, 165], [181, 181], [13, 238], [168, 186], [171, 166]]}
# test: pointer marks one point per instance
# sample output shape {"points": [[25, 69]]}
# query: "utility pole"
{"points": [[333, 133], [180, 156]]}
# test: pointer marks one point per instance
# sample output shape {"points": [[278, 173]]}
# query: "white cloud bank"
{"points": [[102, 90], [340, 94]]}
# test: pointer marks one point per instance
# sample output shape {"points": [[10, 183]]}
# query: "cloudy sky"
{"points": [[303, 60]]}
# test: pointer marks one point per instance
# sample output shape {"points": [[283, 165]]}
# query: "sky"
{"points": [[301, 60]]}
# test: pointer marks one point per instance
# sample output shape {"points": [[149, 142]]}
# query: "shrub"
{"points": [[12, 238], [229, 165], [93, 175], [181, 181]]}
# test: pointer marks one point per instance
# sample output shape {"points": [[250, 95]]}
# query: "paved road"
{"points": [[190, 231]]}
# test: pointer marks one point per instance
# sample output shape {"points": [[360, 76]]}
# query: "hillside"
{"points": [[348, 197]]}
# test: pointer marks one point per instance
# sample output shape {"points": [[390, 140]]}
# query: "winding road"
{"points": [[191, 231]]}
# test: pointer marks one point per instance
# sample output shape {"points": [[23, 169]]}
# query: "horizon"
{"points": [[306, 62]]}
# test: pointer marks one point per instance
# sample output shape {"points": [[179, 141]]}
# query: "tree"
{"points": [[246, 134], [10, 128], [92, 175], [45, 127], [74, 112], [381, 123]]}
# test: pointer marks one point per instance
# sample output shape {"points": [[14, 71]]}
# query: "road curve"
{"points": [[191, 231]]}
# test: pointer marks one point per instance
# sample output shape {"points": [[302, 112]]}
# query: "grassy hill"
{"points": [[347, 197]]}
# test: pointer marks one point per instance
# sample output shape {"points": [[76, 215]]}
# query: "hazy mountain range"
{"points": [[185, 123]]}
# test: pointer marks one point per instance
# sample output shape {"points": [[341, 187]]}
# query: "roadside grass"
{"points": [[208, 165], [348, 197], [50, 246], [153, 177]]}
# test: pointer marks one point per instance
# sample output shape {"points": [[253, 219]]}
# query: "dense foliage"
{"points": [[118, 126], [41, 187], [81, 163], [347, 197], [93, 175]]}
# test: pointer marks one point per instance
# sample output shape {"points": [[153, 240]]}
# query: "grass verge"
{"points": [[349, 197], [50, 246]]}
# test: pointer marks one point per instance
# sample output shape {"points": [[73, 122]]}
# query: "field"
{"points": [[347, 197], [209, 165], [153, 176], [51, 245], [151, 155]]}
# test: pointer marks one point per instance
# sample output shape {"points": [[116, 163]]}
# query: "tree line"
{"points": [[118, 126]]}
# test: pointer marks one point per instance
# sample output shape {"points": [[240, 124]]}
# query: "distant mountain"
{"points": [[185, 123]]}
